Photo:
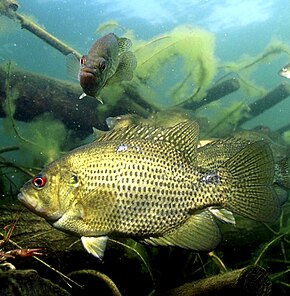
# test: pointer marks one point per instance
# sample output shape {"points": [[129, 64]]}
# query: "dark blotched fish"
{"points": [[285, 71], [108, 61], [144, 182]]}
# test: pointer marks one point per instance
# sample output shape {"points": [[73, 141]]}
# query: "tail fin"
{"points": [[250, 174]]}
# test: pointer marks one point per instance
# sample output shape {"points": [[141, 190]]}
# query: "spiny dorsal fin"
{"points": [[184, 136]]}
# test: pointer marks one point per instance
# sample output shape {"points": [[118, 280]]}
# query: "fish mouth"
{"points": [[88, 79], [86, 72], [32, 204], [29, 202]]}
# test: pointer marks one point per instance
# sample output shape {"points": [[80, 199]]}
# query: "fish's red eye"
{"points": [[39, 181], [83, 60]]}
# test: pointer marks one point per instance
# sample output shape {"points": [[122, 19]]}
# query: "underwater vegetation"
{"points": [[190, 68], [37, 143], [49, 135], [172, 74]]}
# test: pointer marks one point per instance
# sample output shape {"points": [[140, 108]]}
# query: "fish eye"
{"points": [[83, 60], [74, 180], [39, 181], [284, 69], [102, 65]]}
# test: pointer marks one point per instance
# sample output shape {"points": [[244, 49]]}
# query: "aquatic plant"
{"points": [[274, 48], [183, 57], [49, 137], [247, 65], [286, 137], [110, 26], [43, 137], [225, 118]]}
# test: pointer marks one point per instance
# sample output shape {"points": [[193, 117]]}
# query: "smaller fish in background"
{"points": [[108, 61], [285, 71]]}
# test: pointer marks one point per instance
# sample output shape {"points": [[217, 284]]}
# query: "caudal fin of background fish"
{"points": [[250, 175]]}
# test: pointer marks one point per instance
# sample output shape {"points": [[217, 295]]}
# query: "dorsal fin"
{"points": [[184, 136]]}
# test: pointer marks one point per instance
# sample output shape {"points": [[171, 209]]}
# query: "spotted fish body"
{"points": [[143, 182]]}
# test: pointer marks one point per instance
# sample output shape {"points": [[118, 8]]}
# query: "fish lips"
{"points": [[87, 78], [32, 204]]}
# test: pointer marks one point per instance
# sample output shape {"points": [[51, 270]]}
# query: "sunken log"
{"points": [[38, 94], [283, 129], [251, 280], [213, 94], [272, 98]]}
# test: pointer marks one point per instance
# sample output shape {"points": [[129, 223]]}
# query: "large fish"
{"points": [[144, 182], [108, 60]]}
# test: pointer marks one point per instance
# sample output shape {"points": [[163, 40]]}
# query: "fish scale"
{"points": [[153, 185]]}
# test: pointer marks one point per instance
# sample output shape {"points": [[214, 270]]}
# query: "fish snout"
{"points": [[87, 79], [33, 204], [87, 71], [27, 201]]}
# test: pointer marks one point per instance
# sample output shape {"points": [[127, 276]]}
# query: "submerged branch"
{"points": [[213, 94], [39, 94], [9, 8], [272, 98]]}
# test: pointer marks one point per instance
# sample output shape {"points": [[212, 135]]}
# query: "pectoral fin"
{"points": [[126, 66], [95, 245], [82, 96], [124, 44], [72, 66], [85, 95]]}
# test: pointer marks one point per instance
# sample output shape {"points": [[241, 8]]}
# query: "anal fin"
{"points": [[200, 232]]}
